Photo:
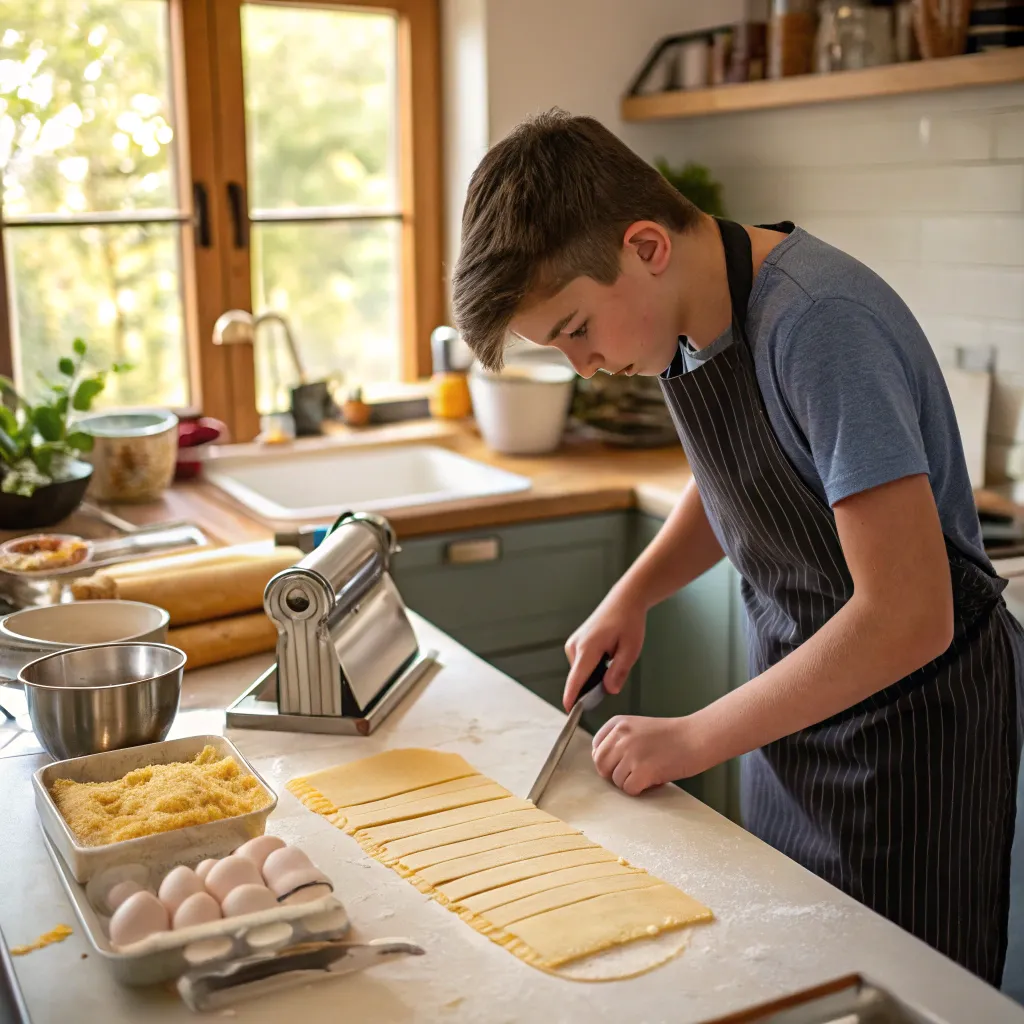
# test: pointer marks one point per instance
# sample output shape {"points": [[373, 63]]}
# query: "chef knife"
{"points": [[591, 694]]}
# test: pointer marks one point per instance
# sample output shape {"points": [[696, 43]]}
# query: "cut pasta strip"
{"points": [[566, 895], [382, 834], [495, 841], [468, 830], [360, 819], [519, 853], [581, 929], [483, 902], [495, 877], [387, 774]]}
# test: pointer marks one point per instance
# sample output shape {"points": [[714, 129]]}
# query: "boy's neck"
{"points": [[705, 309]]}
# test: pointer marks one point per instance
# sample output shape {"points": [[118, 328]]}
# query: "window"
{"points": [[166, 160], [91, 196]]}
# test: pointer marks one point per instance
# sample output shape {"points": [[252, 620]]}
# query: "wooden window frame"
{"points": [[420, 186], [209, 119]]}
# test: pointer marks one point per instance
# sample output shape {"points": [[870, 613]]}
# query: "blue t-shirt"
{"points": [[852, 388]]}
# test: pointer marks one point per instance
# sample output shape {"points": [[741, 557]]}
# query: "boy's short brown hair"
{"points": [[547, 204]]}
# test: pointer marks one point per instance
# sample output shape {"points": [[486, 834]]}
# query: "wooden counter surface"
{"points": [[581, 477]]}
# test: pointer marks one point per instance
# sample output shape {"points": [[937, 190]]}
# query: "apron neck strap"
{"points": [[739, 268]]}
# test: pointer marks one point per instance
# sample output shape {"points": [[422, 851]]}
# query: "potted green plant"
{"points": [[694, 181], [41, 478]]}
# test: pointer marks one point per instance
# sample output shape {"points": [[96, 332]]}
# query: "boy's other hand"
{"points": [[615, 627], [637, 753]]}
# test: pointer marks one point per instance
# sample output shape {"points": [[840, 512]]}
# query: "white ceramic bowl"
{"points": [[35, 632], [523, 409]]}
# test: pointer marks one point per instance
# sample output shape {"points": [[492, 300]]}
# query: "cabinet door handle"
{"points": [[201, 214], [239, 214], [469, 552]]}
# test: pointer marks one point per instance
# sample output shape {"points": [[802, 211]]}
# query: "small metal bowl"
{"points": [[87, 700]]}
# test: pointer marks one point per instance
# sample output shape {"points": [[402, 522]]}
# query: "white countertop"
{"points": [[779, 928]]}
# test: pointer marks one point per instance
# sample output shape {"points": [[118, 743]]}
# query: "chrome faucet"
{"points": [[237, 326]]}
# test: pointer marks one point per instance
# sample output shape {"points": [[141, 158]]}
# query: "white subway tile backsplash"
{"points": [[904, 279], [949, 333], [981, 239], [1009, 131], [869, 239], [992, 188], [971, 291], [1006, 411], [1007, 338]]}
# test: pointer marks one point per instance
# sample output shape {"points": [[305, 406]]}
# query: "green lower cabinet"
{"points": [[689, 659]]}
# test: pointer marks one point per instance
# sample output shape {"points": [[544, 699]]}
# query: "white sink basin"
{"points": [[317, 484]]}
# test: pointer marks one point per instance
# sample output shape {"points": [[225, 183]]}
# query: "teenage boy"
{"points": [[880, 721]]}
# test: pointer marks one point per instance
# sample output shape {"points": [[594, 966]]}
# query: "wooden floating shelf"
{"points": [[996, 67]]}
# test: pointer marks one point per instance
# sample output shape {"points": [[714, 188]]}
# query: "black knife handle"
{"points": [[595, 679]]}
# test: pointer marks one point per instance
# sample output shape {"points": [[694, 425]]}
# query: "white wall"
{"points": [[506, 59], [928, 190]]}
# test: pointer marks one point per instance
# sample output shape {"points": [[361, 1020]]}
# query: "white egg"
{"points": [[179, 883], [230, 873], [139, 916], [120, 892], [298, 878], [283, 862], [199, 908], [257, 850], [203, 868], [248, 899]]}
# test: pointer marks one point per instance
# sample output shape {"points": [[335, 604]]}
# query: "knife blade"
{"points": [[591, 694]]}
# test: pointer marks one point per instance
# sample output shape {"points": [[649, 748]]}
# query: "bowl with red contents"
{"points": [[194, 437]]}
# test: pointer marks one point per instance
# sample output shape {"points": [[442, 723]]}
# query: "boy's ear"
{"points": [[650, 242]]}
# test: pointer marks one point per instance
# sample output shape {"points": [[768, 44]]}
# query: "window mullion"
{"points": [[203, 284], [229, 105]]}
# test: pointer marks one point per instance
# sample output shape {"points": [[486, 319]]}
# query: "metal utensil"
{"points": [[103, 697], [212, 988], [591, 694]]}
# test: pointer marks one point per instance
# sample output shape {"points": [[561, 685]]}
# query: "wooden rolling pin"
{"points": [[210, 643], [193, 590]]}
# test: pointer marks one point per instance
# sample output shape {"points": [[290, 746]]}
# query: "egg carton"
{"points": [[167, 955]]}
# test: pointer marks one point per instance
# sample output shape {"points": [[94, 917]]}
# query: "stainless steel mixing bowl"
{"points": [[103, 697]]}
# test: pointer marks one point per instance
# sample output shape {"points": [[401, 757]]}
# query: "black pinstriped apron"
{"points": [[906, 800]]}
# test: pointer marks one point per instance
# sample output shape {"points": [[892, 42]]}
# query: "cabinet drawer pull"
{"points": [[468, 552]]}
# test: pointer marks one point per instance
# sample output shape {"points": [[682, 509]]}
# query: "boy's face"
{"points": [[628, 327]]}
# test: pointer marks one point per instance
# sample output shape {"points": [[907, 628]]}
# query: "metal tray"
{"points": [[27, 589], [193, 843], [852, 999], [171, 954]]}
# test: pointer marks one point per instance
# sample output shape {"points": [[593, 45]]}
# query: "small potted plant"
{"points": [[41, 478], [694, 181]]}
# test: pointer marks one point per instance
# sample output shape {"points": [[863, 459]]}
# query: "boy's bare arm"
{"points": [[899, 618]]}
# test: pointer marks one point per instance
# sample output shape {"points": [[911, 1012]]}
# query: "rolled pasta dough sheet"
{"points": [[518, 875]]}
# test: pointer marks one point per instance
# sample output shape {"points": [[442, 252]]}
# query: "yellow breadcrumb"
{"points": [[158, 798], [58, 934]]}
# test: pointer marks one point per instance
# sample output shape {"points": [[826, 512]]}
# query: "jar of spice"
{"points": [[791, 32]]}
